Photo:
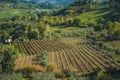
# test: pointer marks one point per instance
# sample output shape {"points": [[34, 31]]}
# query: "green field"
{"points": [[93, 15], [13, 12]]}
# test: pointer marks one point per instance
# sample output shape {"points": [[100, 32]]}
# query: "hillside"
{"points": [[59, 2], [94, 15], [59, 40], [79, 6]]}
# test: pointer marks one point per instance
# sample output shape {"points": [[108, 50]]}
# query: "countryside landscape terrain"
{"points": [[59, 40]]}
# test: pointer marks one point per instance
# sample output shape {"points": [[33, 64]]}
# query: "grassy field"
{"points": [[63, 29], [13, 12], [93, 15], [20, 12]]}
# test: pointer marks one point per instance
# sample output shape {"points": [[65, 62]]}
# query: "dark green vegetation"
{"points": [[97, 22]]}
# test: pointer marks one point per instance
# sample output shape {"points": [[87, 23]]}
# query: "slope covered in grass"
{"points": [[94, 15], [13, 12]]}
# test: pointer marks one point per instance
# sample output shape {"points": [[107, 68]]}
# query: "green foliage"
{"points": [[43, 76], [94, 15], [27, 71], [42, 58], [43, 30], [99, 27], [33, 35], [20, 34], [12, 13], [114, 31], [76, 22], [3, 35], [91, 23], [117, 35], [17, 76], [7, 62], [116, 12], [51, 68], [109, 25], [102, 76], [81, 6], [70, 71]]}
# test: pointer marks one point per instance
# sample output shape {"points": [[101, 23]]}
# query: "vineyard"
{"points": [[82, 57]]}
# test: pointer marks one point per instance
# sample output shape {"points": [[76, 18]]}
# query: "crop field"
{"points": [[82, 57]]}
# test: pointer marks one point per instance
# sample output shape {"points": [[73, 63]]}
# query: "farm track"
{"points": [[82, 58]]}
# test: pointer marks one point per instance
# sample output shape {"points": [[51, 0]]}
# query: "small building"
{"points": [[9, 40]]}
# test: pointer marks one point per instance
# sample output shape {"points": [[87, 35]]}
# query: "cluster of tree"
{"points": [[19, 4], [48, 5], [116, 10], [109, 30], [25, 5], [42, 58], [32, 31], [7, 60], [74, 22], [23, 31], [68, 74], [6, 30], [114, 30], [80, 6], [45, 17]]}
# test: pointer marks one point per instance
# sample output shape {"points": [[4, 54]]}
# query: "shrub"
{"points": [[33, 35], [51, 68], [43, 76], [69, 71], [7, 61], [59, 75], [39, 68], [103, 76], [27, 71], [17, 76], [42, 58], [76, 22]]}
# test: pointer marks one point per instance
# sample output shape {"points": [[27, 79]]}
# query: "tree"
{"points": [[109, 25], [76, 22], [117, 35], [69, 22], [42, 58], [43, 30], [3, 35], [34, 17], [51, 68], [103, 76], [115, 27], [8, 61], [17, 76], [33, 35], [99, 27], [43, 76], [20, 34], [70, 71], [116, 7], [100, 20]]}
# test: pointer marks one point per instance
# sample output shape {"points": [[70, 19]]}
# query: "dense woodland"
{"points": [[37, 24]]}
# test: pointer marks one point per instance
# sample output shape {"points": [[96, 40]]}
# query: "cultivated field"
{"points": [[60, 52]]}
